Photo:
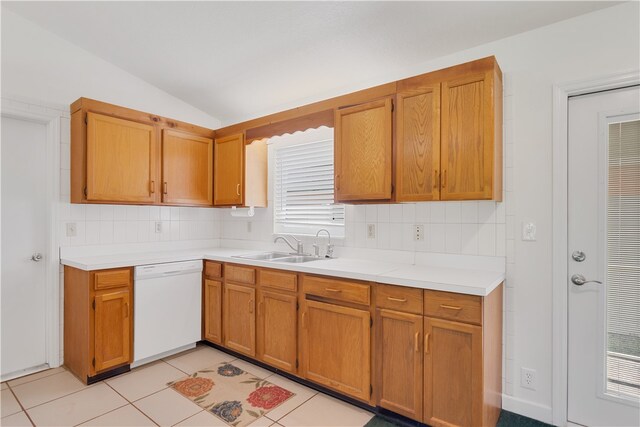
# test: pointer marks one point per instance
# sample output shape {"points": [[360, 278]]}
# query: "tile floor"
{"points": [[141, 398]]}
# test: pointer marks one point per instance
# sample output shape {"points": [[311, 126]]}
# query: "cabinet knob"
{"points": [[426, 343], [153, 187], [165, 187], [444, 179], [237, 189]]}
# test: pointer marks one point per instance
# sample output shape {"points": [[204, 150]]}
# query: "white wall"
{"points": [[39, 66], [593, 45]]}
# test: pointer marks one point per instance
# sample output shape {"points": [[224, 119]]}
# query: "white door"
{"points": [[604, 252], [24, 234]]}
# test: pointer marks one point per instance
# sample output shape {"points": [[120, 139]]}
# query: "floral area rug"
{"points": [[235, 396]]}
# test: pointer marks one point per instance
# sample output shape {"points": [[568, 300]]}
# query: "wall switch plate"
{"points": [[71, 229], [418, 232], [158, 226], [528, 378], [371, 231], [529, 231]]}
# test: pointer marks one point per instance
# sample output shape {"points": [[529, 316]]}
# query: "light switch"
{"points": [[529, 231], [71, 229]]}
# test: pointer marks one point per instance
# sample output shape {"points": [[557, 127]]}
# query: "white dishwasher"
{"points": [[167, 309]]}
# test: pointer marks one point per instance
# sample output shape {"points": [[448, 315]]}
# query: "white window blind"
{"points": [[303, 189], [623, 258]]}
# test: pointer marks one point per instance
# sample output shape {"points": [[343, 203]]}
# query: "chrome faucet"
{"points": [[299, 245], [316, 247]]}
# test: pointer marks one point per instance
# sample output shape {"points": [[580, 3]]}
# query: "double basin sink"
{"points": [[280, 257]]}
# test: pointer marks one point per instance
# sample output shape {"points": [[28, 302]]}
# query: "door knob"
{"points": [[579, 280], [36, 257]]}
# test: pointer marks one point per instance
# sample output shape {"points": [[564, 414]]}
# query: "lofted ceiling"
{"points": [[238, 60]]}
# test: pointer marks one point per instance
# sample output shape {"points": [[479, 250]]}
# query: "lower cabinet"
{"points": [[213, 311], [336, 348], [399, 368], [452, 373], [98, 321], [277, 329], [240, 318]]}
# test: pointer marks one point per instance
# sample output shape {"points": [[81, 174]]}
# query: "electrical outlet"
{"points": [[371, 231], [158, 226], [418, 232], [71, 229], [528, 378], [528, 231], [249, 225]]}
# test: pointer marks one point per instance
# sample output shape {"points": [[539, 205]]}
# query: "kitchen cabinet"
{"points": [[121, 160], [228, 182], [98, 326], [399, 362], [124, 156], [213, 311], [363, 151], [471, 144], [240, 318], [277, 329], [418, 140], [187, 168]]}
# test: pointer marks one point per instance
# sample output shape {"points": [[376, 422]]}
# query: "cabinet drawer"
{"points": [[239, 274], [107, 279], [448, 305], [340, 290], [399, 298], [212, 269], [278, 279]]}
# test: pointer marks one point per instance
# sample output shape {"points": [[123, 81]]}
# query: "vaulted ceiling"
{"points": [[237, 60]]}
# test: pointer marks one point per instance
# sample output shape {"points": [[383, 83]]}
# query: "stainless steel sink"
{"points": [[267, 256], [298, 258]]}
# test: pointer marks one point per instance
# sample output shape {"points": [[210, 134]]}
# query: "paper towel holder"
{"points": [[242, 212]]}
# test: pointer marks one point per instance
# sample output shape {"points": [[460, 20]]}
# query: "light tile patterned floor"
{"points": [[141, 398]]}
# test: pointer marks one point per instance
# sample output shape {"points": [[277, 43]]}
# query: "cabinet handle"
{"points": [[426, 343], [165, 187], [416, 343], [250, 306], [153, 187], [332, 290], [126, 310], [450, 307], [237, 189], [397, 299], [436, 180], [304, 317], [337, 182], [444, 179]]}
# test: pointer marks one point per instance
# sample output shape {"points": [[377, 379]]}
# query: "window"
{"points": [[303, 184]]}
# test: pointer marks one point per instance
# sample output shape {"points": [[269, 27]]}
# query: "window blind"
{"points": [[303, 190], [623, 258]]}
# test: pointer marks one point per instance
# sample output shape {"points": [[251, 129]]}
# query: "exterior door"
{"points": [[228, 169], [112, 329], [130, 148], [363, 145], [187, 168], [24, 233], [240, 318], [604, 258]]}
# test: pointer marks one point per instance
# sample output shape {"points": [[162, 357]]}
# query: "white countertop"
{"points": [[461, 280]]}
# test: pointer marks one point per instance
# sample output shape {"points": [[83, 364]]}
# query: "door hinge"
{"points": [[297, 306], [370, 390], [84, 191], [93, 304], [371, 322], [93, 362], [297, 364], [392, 106], [86, 119]]}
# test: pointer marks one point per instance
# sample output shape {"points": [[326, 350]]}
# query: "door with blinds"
{"points": [[604, 258]]}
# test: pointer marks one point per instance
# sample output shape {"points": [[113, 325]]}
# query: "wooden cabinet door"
{"points": [[187, 168], [112, 326], [452, 373], [240, 318], [363, 150], [336, 348], [121, 160], [418, 145], [228, 169], [213, 311], [468, 138], [399, 366], [277, 329]]}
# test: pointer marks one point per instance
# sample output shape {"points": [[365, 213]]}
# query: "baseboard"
{"points": [[527, 409]]}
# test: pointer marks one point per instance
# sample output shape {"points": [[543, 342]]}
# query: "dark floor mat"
{"points": [[507, 419]]}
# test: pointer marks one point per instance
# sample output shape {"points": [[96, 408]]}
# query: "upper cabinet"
{"points": [[187, 168], [363, 151], [229, 170], [126, 156], [128, 147]]}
